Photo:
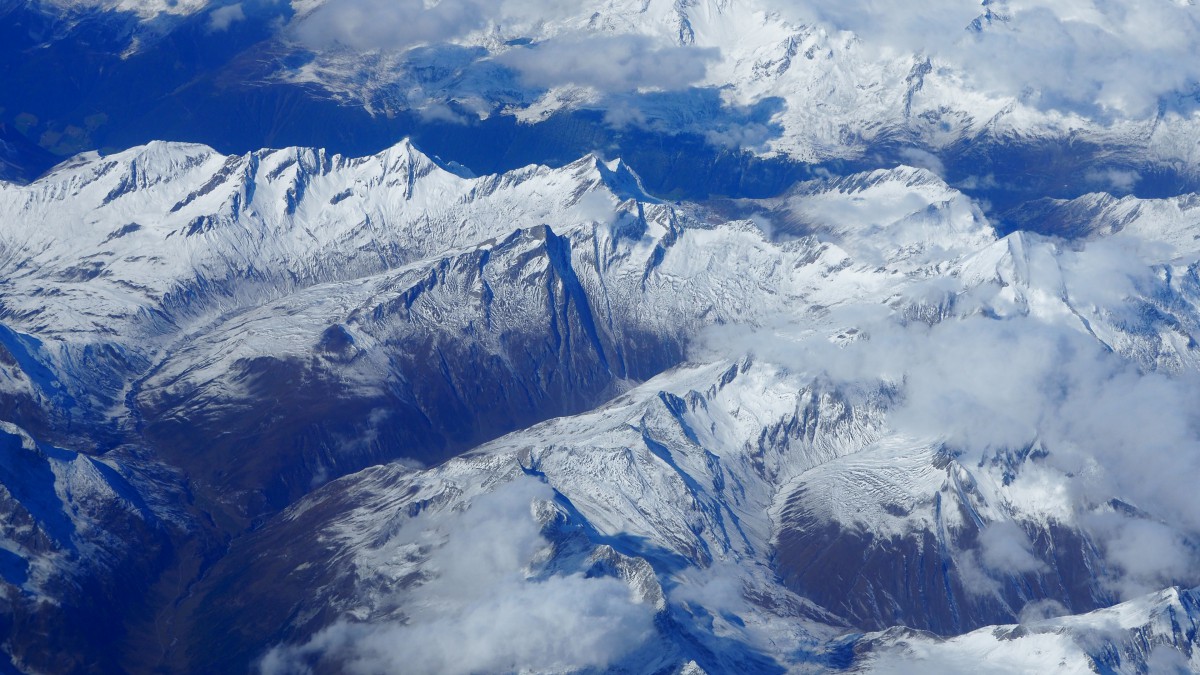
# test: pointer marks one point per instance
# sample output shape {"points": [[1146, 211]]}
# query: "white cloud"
{"points": [[561, 624], [1147, 555], [222, 18], [389, 24], [738, 134], [922, 159], [485, 610], [369, 25], [1164, 660], [982, 385], [1113, 180], [1006, 549], [717, 588], [1079, 54], [1041, 610], [610, 63]]}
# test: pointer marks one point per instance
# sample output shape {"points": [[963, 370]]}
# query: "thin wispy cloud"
{"points": [[609, 63]]}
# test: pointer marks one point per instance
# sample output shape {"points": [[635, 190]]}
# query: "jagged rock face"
{"points": [[79, 542], [924, 578], [433, 362]]}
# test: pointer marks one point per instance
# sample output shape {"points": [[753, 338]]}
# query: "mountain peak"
{"points": [[406, 157], [614, 174]]}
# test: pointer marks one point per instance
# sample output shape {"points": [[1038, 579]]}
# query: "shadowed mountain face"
{"points": [[467, 349], [77, 533], [21, 160], [921, 579]]}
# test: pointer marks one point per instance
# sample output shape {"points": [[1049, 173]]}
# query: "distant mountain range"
{"points": [[703, 98]]}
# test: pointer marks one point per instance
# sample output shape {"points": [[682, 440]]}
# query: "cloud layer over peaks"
{"points": [[1103, 60], [390, 24], [483, 610], [1084, 55], [609, 63]]}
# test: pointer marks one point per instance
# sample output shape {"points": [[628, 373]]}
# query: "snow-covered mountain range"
{"points": [[295, 411], [793, 78], [746, 95]]}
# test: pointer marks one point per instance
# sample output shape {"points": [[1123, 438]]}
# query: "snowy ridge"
{"points": [[177, 237], [288, 218], [72, 529], [1168, 224], [1156, 633]]}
